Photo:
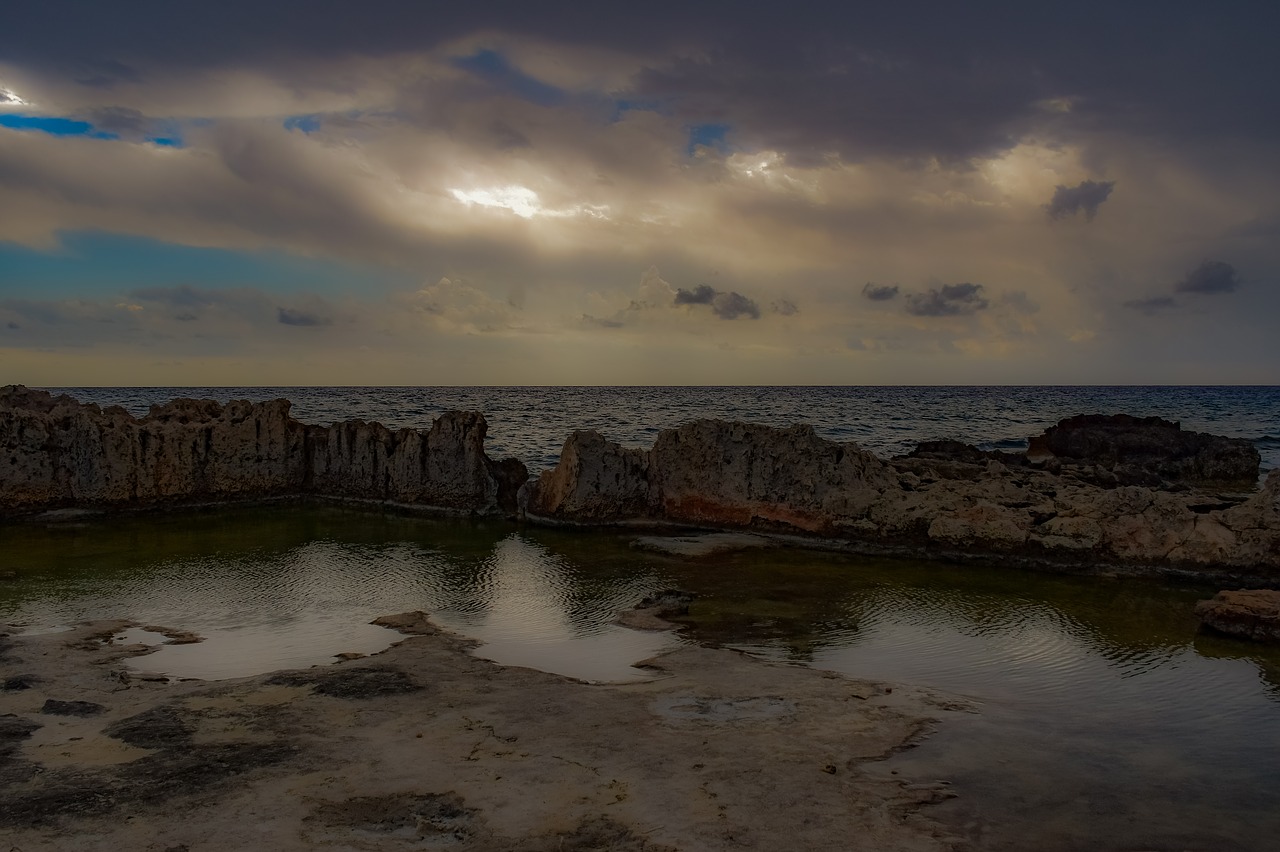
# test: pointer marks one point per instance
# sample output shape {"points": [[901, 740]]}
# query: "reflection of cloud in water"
{"points": [[527, 595]]}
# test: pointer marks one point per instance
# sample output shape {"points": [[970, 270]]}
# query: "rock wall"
{"points": [[734, 475], [55, 452]]}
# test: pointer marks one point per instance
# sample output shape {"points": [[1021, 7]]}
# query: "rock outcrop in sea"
{"points": [[56, 452], [942, 502]]}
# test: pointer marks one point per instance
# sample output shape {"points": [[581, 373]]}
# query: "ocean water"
{"points": [[531, 423]]}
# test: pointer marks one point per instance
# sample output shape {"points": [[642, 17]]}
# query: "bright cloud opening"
{"points": [[10, 98], [520, 200]]}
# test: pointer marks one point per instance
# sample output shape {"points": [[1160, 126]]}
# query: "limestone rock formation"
{"points": [[1148, 451], [1248, 614], [738, 476], [57, 452], [712, 473]]}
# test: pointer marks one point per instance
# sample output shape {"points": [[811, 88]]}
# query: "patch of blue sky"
{"points": [[304, 123], [708, 135], [169, 131], [53, 125], [492, 67], [94, 263]]}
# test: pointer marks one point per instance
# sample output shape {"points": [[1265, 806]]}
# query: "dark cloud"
{"points": [[785, 307], [949, 300], [105, 73], [726, 305], [296, 316], [1153, 305], [904, 81], [1212, 276], [703, 294], [1087, 197], [880, 293]]}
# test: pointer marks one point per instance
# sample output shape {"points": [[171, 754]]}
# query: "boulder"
{"points": [[1120, 449], [1247, 614]]}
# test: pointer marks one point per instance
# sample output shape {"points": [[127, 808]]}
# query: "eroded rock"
{"points": [[734, 476], [1246, 613], [1121, 449], [56, 452]]}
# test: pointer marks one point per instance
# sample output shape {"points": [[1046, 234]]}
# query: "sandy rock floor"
{"points": [[426, 747]]}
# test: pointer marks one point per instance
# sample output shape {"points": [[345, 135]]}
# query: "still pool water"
{"points": [[1104, 720]]}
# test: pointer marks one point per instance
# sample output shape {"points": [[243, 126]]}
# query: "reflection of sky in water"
{"points": [[527, 620], [300, 607]]}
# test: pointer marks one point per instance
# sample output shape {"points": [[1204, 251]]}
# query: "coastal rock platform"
{"points": [[737, 476], [425, 746]]}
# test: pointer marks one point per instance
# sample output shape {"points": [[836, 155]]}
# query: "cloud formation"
{"points": [[880, 293], [1085, 197], [726, 305], [949, 300], [1211, 276]]}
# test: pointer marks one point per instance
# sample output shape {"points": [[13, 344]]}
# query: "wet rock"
{"points": [[350, 682], [154, 780], [653, 611], [412, 623], [427, 818], [56, 452], [1120, 449], [160, 727], [14, 729], [19, 682], [53, 707], [1247, 614]]}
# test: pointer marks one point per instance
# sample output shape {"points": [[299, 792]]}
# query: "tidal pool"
{"points": [[1104, 720]]}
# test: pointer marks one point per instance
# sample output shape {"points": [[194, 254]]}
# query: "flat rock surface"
{"points": [[425, 746], [1246, 613]]}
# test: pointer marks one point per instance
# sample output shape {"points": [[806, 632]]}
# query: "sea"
{"points": [[531, 423]]}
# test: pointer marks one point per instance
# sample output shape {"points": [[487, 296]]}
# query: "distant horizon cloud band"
{"points": [[390, 193]]}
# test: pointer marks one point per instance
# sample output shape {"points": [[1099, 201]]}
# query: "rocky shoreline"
{"points": [[1094, 494]]}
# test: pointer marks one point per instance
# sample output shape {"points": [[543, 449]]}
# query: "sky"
{"points": [[814, 193]]}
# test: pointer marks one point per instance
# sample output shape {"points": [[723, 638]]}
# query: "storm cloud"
{"points": [[880, 293], [1086, 197], [726, 305], [1211, 276], [949, 300]]}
